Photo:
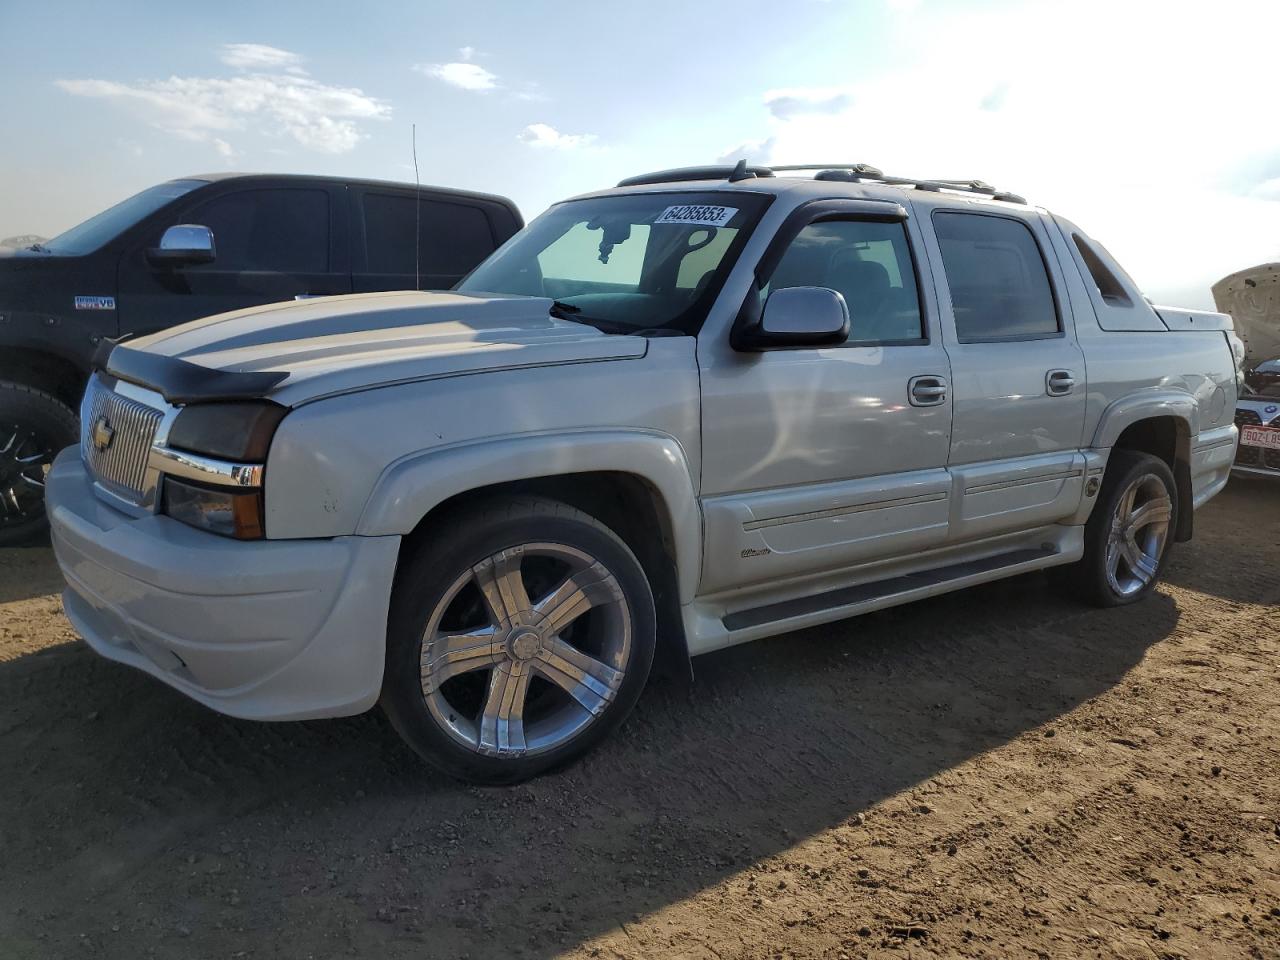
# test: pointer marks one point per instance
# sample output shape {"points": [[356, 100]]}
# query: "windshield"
{"points": [[640, 261], [110, 223]]}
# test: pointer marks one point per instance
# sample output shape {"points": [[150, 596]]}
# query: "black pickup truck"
{"points": [[193, 247]]}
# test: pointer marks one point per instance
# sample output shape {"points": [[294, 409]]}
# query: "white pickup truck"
{"points": [[708, 406]]}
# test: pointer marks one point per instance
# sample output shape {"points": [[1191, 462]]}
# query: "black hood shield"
{"points": [[180, 381]]}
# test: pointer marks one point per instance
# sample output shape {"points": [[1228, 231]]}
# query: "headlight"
{"points": [[213, 466], [223, 510], [230, 431]]}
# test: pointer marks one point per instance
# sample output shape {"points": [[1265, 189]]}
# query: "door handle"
{"points": [[927, 391], [1059, 383]]}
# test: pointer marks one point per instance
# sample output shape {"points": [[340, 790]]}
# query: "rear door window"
{"points": [[452, 237], [999, 283], [268, 230]]}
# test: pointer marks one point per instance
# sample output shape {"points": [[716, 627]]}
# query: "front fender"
{"points": [[1145, 405], [410, 488]]}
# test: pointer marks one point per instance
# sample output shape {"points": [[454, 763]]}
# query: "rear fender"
{"points": [[1145, 405]]}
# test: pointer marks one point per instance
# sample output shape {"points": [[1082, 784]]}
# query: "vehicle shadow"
{"points": [[28, 572], [199, 835], [1243, 516]]}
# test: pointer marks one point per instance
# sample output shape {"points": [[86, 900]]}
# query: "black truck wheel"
{"points": [[34, 426]]}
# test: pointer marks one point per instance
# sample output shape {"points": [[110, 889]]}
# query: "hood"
{"points": [[12, 258], [330, 345], [1252, 297]]}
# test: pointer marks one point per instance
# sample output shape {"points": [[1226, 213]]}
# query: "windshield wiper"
{"points": [[38, 247], [573, 313], [564, 311]]}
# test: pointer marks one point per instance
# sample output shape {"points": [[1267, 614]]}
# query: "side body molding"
{"points": [[1143, 405], [412, 486]]}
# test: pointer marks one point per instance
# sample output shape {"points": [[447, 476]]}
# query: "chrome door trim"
{"points": [[843, 511]]}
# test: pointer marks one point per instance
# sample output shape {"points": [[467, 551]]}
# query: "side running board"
{"points": [[925, 583]]}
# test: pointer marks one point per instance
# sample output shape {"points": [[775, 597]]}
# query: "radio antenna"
{"points": [[417, 214]]}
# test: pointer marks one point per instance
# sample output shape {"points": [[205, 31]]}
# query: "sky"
{"points": [[1150, 125]]}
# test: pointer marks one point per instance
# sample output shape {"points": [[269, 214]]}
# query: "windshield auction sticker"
{"points": [[704, 215]]}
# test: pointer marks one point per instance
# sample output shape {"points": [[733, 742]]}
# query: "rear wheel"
{"points": [[34, 426], [1129, 533], [521, 633]]}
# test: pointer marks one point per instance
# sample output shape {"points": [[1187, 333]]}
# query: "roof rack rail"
{"points": [[857, 172], [739, 171], [846, 172]]}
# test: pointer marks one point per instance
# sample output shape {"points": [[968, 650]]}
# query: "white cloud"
{"points": [[794, 102], [1268, 189], [466, 54], [545, 136], [259, 56], [317, 116], [464, 76], [531, 92], [1168, 166]]}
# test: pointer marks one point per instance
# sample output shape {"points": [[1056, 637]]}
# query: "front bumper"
{"points": [[266, 630], [1253, 461], [1256, 462]]}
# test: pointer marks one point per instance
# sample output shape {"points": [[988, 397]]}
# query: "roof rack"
{"points": [[844, 172]]}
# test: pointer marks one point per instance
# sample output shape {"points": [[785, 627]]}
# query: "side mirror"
{"points": [[797, 317], [184, 243]]}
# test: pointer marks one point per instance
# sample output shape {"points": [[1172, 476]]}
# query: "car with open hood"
{"points": [[707, 406]]}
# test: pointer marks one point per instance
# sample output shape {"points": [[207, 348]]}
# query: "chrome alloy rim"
{"points": [[1139, 529], [508, 675], [24, 463]]}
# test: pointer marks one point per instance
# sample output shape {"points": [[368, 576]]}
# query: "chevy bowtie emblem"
{"points": [[102, 433]]}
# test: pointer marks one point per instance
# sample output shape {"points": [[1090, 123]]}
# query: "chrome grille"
{"points": [[1245, 418], [122, 466]]}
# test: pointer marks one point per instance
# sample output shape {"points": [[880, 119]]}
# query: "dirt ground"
{"points": [[997, 773]]}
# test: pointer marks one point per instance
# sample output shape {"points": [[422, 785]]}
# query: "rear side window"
{"points": [[453, 237], [869, 263], [270, 231], [999, 284], [1108, 284]]}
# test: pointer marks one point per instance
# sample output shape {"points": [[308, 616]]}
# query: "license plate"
{"points": [[1268, 437]]}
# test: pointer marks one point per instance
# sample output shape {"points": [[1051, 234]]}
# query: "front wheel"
{"points": [[1127, 538], [34, 426], [521, 633]]}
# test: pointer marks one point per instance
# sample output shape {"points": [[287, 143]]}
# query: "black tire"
{"points": [[1090, 578], [427, 587], [33, 424]]}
